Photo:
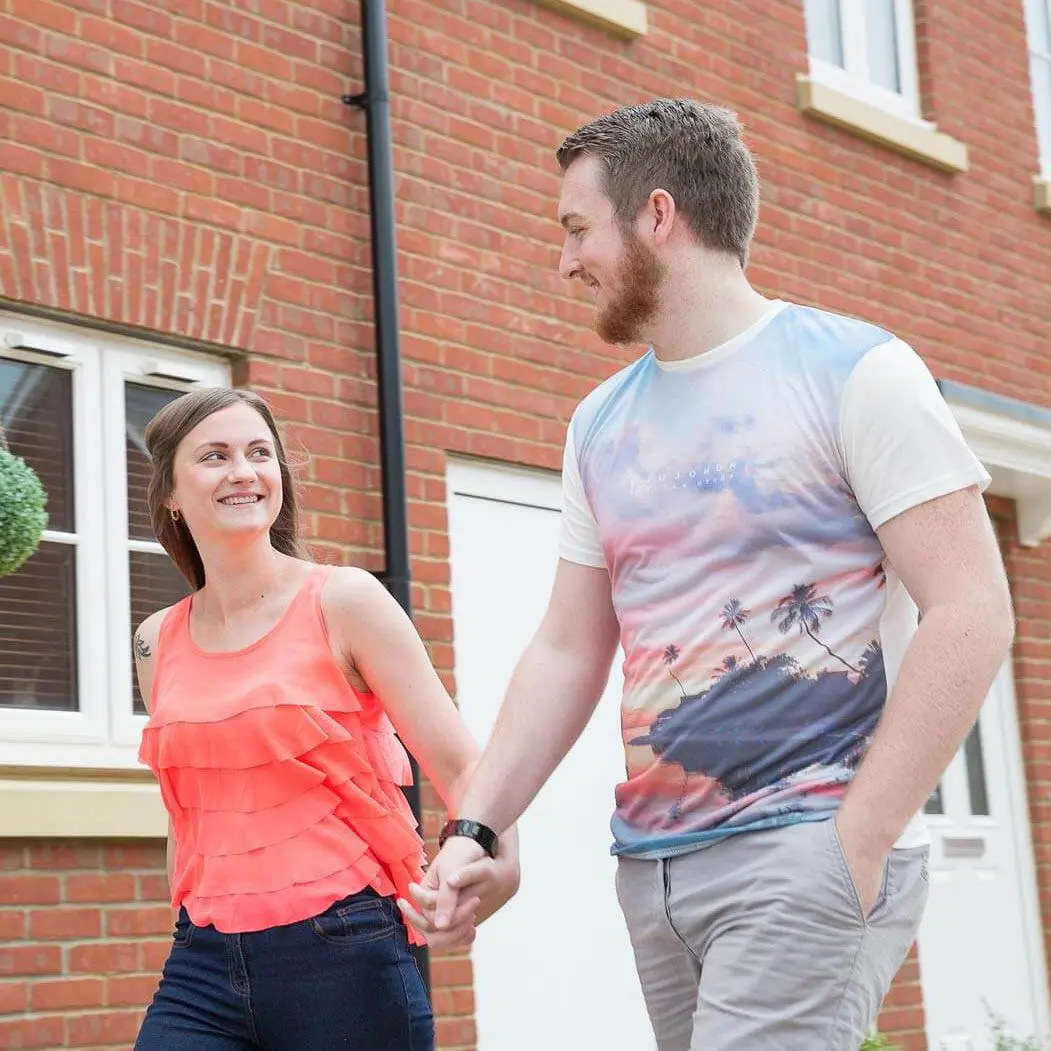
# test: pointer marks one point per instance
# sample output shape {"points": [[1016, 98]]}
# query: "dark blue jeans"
{"points": [[342, 981]]}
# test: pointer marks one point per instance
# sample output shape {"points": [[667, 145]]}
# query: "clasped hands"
{"points": [[462, 887]]}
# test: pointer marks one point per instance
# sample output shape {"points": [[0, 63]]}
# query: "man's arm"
{"points": [[556, 686], [946, 554], [554, 691]]}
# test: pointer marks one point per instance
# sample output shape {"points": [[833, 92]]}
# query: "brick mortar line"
{"points": [[146, 211], [181, 19], [940, 271]]}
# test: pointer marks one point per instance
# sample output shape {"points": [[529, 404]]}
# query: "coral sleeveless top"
{"points": [[282, 780]]}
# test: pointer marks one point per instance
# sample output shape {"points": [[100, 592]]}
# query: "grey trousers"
{"points": [[758, 942]]}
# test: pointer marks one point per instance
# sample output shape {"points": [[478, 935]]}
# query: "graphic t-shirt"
{"points": [[733, 499]]}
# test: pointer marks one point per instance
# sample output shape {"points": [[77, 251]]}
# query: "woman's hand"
{"points": [[462, 888]]}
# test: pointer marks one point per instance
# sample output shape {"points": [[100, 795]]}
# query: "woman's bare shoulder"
{"points": [[145, 638], [349, 587]]}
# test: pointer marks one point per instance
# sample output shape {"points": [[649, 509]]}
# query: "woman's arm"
{"points": [[144, 644], [380, 645], [378, 642]]}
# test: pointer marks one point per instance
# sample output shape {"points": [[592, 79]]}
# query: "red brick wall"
{"points": [[186, 166], [84, 931], [902, 1018]]}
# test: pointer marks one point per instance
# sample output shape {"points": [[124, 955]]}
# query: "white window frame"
{"points": [[854, 80], [104, 733], [1030, 27]]}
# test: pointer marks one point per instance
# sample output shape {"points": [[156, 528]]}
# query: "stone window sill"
{"points": [[911, 138], [1042, 195], [623, 17], [52, 805]]}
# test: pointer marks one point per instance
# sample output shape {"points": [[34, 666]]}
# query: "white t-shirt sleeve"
{"points": [[901, 443], [579, 541]]}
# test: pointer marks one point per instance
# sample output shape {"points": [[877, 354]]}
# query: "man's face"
{"points": [[623, 274]]}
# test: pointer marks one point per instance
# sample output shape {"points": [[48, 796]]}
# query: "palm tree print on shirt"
{"points": [[803, 606], [734, 615], [872, 656], [671, 654], [729, 665]]}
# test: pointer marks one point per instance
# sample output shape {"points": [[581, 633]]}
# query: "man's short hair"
{"points": [[694, 150]]}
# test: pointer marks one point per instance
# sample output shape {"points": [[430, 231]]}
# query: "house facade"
{"points": [[184, 199]]}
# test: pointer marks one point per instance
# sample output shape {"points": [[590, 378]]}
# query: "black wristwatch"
{"points": [[484, 836]]}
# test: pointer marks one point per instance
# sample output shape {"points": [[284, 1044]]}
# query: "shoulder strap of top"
{"points": [[172, 636], [318, 575], [313, 588], [173, 624], [310, 598]]}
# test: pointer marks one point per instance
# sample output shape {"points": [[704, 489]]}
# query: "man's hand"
{"points": [[463, 887], [866, 860], [460, 931]]}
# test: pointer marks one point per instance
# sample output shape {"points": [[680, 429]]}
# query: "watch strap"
{"points": [[484, 836]]}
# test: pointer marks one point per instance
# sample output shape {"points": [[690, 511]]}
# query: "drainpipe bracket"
{"points": [[359, 100]]}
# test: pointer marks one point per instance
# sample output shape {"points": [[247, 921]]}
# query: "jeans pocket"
{"points": [[359, 920], [184, 928]]}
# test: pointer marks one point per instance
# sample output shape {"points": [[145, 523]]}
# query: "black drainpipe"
{"points": [[375, 101]]}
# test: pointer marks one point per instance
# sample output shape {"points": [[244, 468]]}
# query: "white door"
{"points": [[554, 969], [980, 944]]}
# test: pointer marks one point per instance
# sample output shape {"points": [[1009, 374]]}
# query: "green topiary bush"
{"points": [[876, 1042], [22, 510]]}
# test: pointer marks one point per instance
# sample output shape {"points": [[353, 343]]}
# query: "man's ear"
{"points": [[660, 215]]}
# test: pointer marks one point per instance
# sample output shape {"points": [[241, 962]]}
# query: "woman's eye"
{"points": [[210, 456], [263, 453]]}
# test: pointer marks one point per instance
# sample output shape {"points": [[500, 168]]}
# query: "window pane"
{"points": [[976, 786], [38, 631], [934, 805], [1039, 22], [1042, 104], [881, 41], [824, 31], [155, 583], [141, 404], [36, 409]]}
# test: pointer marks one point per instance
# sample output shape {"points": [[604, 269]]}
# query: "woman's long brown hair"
{"points": [[163, 435]]}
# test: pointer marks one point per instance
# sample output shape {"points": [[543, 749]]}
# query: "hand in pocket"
{"points": [[867, 864]]}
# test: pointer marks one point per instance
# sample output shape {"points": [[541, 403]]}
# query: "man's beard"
{"points": [[637, 298]]}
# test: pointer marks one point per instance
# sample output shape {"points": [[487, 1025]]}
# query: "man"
{"points": [[756, 509]]}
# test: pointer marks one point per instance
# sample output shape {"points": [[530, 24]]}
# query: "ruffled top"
{"points": [[282, 781]]}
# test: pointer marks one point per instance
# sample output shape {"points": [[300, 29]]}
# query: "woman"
{"points": [[273, 691]]}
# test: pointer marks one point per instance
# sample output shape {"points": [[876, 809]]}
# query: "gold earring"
{"points": [[174, 512]]}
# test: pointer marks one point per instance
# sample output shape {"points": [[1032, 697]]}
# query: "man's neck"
{"points": [[696, 318]]}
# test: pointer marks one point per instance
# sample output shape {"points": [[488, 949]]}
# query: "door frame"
{"points": [[1018, 802], [524, 487], [507, 483], [1012, 761]]}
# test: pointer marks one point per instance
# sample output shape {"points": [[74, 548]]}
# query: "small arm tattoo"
{"points": [[142, 650]]}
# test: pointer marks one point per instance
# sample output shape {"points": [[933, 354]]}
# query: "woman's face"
{"points": [[227, 479]]}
